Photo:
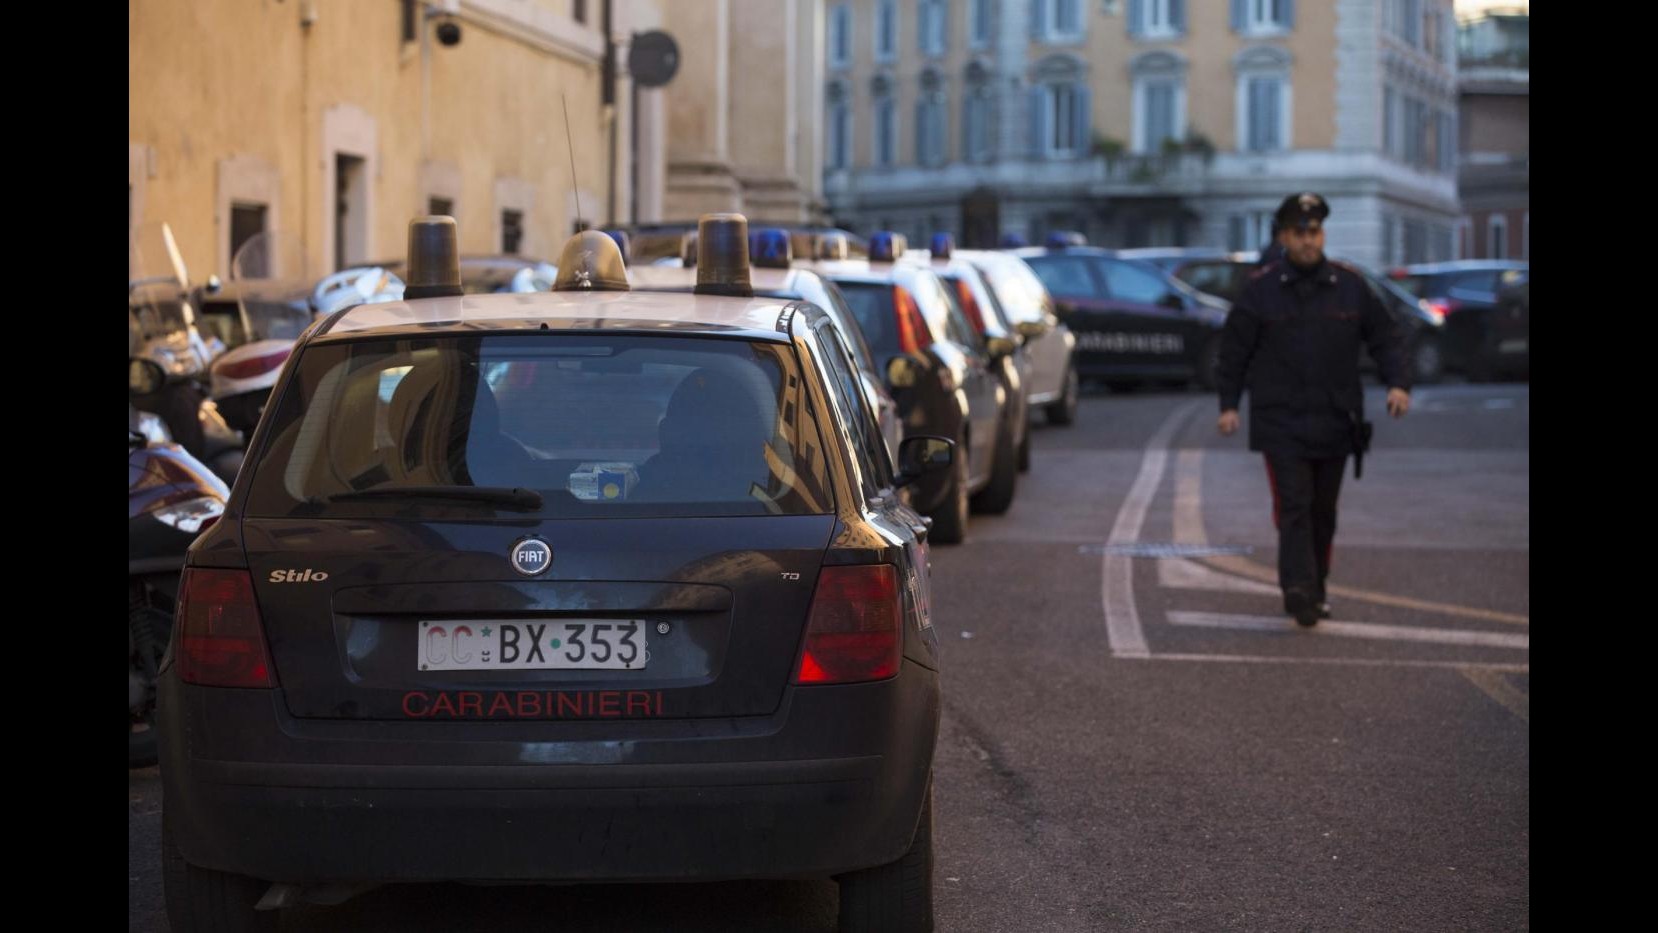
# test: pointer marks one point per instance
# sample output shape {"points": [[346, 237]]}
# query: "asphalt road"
{"points": [[1133, 734]]}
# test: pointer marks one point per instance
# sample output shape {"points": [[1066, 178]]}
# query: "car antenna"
{"points": [[569, 142]]}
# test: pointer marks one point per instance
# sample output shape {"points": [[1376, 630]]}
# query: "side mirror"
{"points": [[1000, 347], [923, 454], [1031, 329], [144, 376], [1172, 300], [213, 285], [904, 371]]}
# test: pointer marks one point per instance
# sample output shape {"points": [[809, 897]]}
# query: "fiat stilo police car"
{"points": [[568, 586]]}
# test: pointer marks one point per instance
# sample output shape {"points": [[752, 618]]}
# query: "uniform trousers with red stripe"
{"points": [[1304, 493]]}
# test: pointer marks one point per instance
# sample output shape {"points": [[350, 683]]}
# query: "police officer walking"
{"points": [[1293, 340]]}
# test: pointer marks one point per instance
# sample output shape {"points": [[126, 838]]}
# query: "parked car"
{"points": [[484, 275], [1421, 329], [939, 374], [1483, 337], [1055, 385], [1134, 323], [575, 586]]}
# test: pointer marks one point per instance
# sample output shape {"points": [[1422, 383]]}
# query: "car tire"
{"points": [[1121, 386], [200, 900], [896, 897], [997, 495], [1064, 411], [1427, 362], [1024, 452], [950, 520], [148, 629]]}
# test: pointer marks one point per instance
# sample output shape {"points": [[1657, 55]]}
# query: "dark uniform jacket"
{"points": [[1292, 339]]}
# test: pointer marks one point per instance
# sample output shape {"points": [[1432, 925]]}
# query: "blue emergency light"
{"points": [[1059, 239], [622, 242], [942, 245], [770, 248], [886, 246], [1011, 240]]}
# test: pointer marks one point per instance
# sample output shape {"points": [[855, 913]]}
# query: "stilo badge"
{"points": [[531, 556]]}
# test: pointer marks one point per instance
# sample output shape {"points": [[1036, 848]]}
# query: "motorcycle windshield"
{"points": [[160, 323]]}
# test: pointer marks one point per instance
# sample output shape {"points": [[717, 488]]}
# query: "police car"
{"points": [[771, 250], [1054, 385], [1133, 322], [940, 373], [571, 586]]}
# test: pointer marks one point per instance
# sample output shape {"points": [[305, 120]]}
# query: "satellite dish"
{"points": [[653, 58]]}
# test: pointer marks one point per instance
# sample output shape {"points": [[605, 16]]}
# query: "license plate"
{"points": [[588, 644]]}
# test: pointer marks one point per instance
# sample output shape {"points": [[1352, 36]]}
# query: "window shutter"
{"points": [[1238, 14], [1038, 15], [1274, 94], [1286, 10], [1079, 122], [1038, 122], [1136, 17], [1177, 15]]}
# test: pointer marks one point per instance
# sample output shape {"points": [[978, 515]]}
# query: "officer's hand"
{"points": [[1228, 422], [1398, 402]]}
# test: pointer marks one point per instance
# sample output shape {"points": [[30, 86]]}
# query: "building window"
{"points": [[978, 14], [840, 36], [1407, 17], [1263, 118], [1263, 17], [929, 129], [932, 27], [578, 10], [1390, 239], [1416, 242], [976, 137], [1060, 120], [512, 231], [1415, 132], [1056, 20], [840, 127], [1496, 237], [1156, 19], [886, 131], [1159, 105], [1465, 239], [886, 30], [246, 222], [1390, 119], [440, 207], [1447, 142]]}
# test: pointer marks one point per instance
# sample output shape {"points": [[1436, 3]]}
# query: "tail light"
{"points": [[221, 640], [853, 632], [1441, 309], [254, 365], [912, 327], [970, 305]]}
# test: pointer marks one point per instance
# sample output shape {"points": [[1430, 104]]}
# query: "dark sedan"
{"points": [[1133, 322], [1485, 336]]}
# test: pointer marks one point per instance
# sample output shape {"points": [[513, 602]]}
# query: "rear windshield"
{"points": [[612, 425], [871, 306]]}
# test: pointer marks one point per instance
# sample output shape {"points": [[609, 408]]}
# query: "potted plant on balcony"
{"points": [[1104, 145], [1200, 144]]}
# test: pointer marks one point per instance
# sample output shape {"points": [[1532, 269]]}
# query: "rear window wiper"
{"points": [[514, 499]]}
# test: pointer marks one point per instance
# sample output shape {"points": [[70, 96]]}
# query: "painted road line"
{"points": [[1498, 688], [1190, 575], [1463, 666], [1338, 629], [1122, 621], [1188, 529]]}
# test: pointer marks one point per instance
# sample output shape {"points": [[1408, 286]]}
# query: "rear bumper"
{"points": [[830, 783]]}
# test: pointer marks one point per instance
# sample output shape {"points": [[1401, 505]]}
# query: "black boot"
{"points": [[1303, 605]]}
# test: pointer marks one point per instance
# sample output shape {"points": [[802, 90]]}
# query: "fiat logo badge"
{"points": [[531, 556]]}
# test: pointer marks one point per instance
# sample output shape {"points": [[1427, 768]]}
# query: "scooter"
{"points": [[268, 302], [167, 355], [171, 498]]}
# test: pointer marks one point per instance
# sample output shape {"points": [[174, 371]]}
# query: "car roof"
{"points": [[748, 318], [1029, 252], [677, 278], [1465, 265], [862, 270], [1173, 252]]}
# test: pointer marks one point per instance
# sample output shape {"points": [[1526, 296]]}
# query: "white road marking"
{"points": [[1497, 688], [1190, 575], [1441, 636], [1464, 666], [1122, 621]]}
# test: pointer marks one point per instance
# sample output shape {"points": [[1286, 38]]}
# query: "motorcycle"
{"points": [[167, 355], [171, 498], [270, 300]]}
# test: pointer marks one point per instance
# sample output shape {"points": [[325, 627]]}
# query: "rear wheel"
{"points": [[950, 521], [897, 897], [147, 631], [997, 496], [199, 899], [1064, 411], [1024, 452]]}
